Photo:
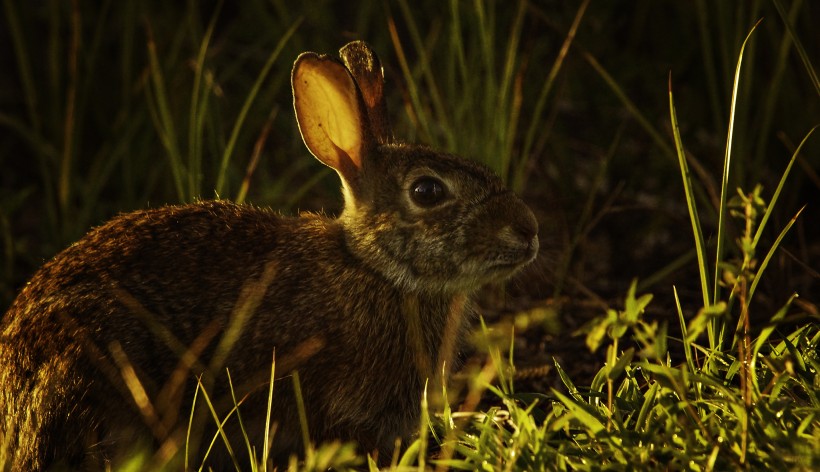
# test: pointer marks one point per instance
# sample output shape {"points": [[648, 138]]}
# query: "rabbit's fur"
{"points": [[366, 307]]}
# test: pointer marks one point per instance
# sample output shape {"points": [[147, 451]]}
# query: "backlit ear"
{"points": [[364, 65], [330, 113]]}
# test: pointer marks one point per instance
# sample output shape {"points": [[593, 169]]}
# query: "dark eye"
{"points": [[427, 191]]}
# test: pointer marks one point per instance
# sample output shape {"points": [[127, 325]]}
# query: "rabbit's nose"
{"points": [[516, 217], [522, 221], [526, 226]]}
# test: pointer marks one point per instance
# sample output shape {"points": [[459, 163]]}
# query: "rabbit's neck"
{"points": [[403, 253], [434, 329]]}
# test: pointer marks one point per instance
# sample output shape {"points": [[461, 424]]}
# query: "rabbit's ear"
{"points": [[366, 68], [330, 113]]}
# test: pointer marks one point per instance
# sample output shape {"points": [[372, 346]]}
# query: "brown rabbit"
{"points": [[365, 307]]}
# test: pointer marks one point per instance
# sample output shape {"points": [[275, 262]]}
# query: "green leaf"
{"points": [[702, 320], [598, 330], [769, 328], [567, 381], [579, 413], [642, 423], [620, 365]]}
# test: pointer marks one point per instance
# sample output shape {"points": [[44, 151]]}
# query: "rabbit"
{"points": [[102, 349]]}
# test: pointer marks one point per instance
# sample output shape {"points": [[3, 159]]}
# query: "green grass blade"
{"points": [[707, 46], [250, 297], [687, 343], [415, 108], [724, 187], [198, 112], [236, 404], [771, 252], [44, 150], [630, 106], [409, 456], [506, 120], [780, 185], [23, 65], [694, 218], [266, 446], [567, 381], [188, 438], [586, 220], [220, 423], [162, 117], [799, 46], [240, 120], [535, 122], [64, 193], [767, 331], [424, 430], [667, 270], [642, 422], [457, 44], [255, 157], [427, 74], [774, 92], [300, 408]]}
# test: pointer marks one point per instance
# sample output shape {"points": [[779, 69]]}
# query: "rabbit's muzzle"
{"points": [[517, 249], [504, 236]]}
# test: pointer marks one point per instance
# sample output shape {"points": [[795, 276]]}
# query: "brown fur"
{"points": [[365, 307]]}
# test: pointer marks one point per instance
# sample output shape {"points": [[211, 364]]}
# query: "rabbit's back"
{"points": [[150, 283]]}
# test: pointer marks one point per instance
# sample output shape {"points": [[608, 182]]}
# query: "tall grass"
{"points": [[188, 173], [473, 82], [125, 106]]}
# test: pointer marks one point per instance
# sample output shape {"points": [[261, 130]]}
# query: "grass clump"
{"points": [[645, 410]]}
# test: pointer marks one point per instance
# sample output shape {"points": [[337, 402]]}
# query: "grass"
{"points": [[735, 403], [574, 105]]}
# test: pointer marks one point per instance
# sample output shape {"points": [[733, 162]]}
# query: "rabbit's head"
{"points": [[426, 220]]}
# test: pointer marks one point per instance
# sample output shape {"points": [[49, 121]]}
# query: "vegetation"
{"points": [[666, 147]]}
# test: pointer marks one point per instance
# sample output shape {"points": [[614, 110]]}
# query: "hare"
{"points": [[102, 349]]}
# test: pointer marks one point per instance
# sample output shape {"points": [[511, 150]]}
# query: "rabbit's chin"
{"points": [[491, 266], [472, 278], [502, 271]]}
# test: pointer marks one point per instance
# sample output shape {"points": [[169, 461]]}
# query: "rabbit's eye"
{"points": [[427, 191]]}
